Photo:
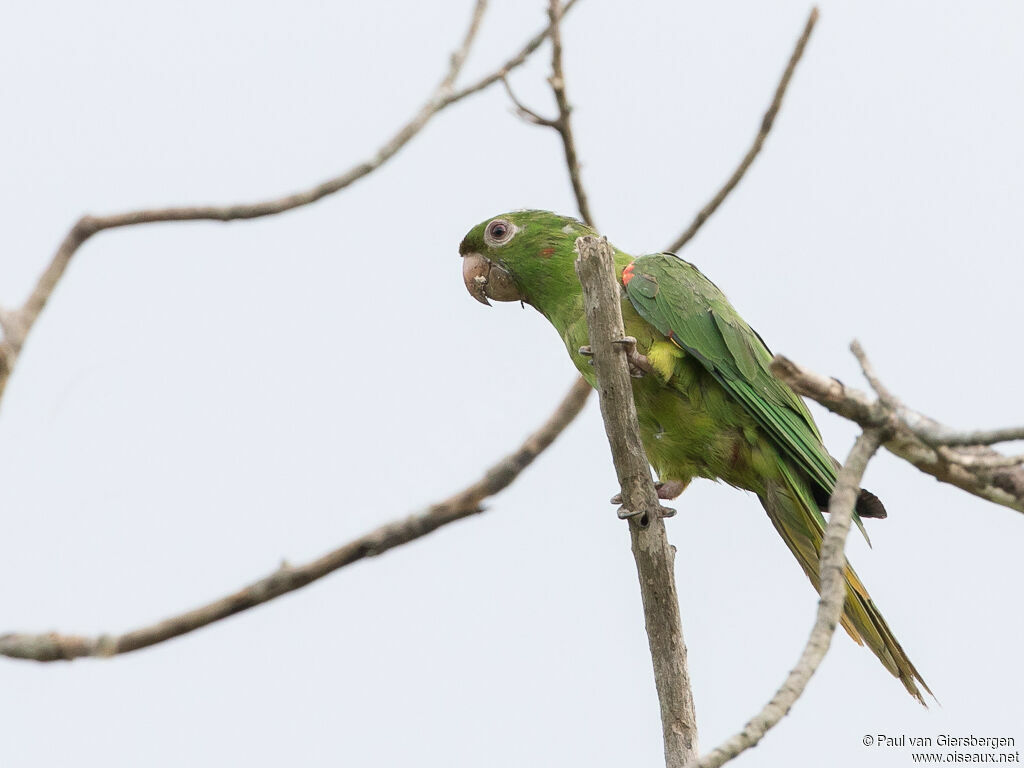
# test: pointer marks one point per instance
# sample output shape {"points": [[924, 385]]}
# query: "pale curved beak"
{"points": [[484, 279]]}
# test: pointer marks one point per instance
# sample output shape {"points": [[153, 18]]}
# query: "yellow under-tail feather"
{"points": [[795, 516]]}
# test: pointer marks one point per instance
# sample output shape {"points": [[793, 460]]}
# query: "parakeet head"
{"points": [[522, 256]]}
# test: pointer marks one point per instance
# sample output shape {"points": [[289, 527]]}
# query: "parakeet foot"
{"points": [[625, 514], [639, 365], [670, 489], [666, 490]]}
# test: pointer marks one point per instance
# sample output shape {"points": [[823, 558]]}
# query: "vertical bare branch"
{"points": [[563, 124], [766, 126], [654, 556], [830, 607]]}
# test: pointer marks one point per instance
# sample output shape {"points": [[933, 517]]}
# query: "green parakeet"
{"points": [[708, 405]]}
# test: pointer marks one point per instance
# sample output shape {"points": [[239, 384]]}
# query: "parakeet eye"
{"points": [[499, 232]]}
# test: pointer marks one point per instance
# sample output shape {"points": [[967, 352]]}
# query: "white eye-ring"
{"points": [[499, 232]]}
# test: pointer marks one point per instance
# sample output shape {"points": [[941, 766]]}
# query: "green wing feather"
{"points": [[673, 296]]}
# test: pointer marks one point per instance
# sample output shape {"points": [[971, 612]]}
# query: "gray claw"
{"points": [[639, 365], [658, 485], [586, 351], [624, 514]]}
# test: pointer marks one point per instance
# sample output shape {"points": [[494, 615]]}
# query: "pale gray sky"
{"points": [[200, 401]]}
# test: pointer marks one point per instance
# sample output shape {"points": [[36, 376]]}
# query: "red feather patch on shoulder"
{"points": [[547, 253], [627, 273]]}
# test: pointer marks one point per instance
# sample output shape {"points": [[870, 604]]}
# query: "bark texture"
{"points": [[655, 557]]}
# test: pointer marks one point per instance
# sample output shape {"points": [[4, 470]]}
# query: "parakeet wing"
{"points": [[674, 297]]}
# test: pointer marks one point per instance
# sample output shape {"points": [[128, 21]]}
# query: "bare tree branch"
{"points": [[976, 469], [56, 647], [830, 607], [932, 432], [654, 556], [935, 434], [986, 462], [564, 124], [532, 45], [888, 399], [766, 126], [16, 324], [524, 111], [7, 323]]}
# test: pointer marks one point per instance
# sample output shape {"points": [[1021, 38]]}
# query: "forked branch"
{"points": [[958, 458], [563, 123], [16, 324]]}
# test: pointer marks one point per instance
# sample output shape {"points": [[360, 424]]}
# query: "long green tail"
{"points": [[796, 517]]}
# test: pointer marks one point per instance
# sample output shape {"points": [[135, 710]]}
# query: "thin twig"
{"points": [[933, 433], [654, 556], [524, 53], [7, 323], [458, 58], [889, 400], [87, 226], [18, 323], [981, 472], [56, 647], [766, 126], [830, 607], [564, 123], [524, 111]]}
